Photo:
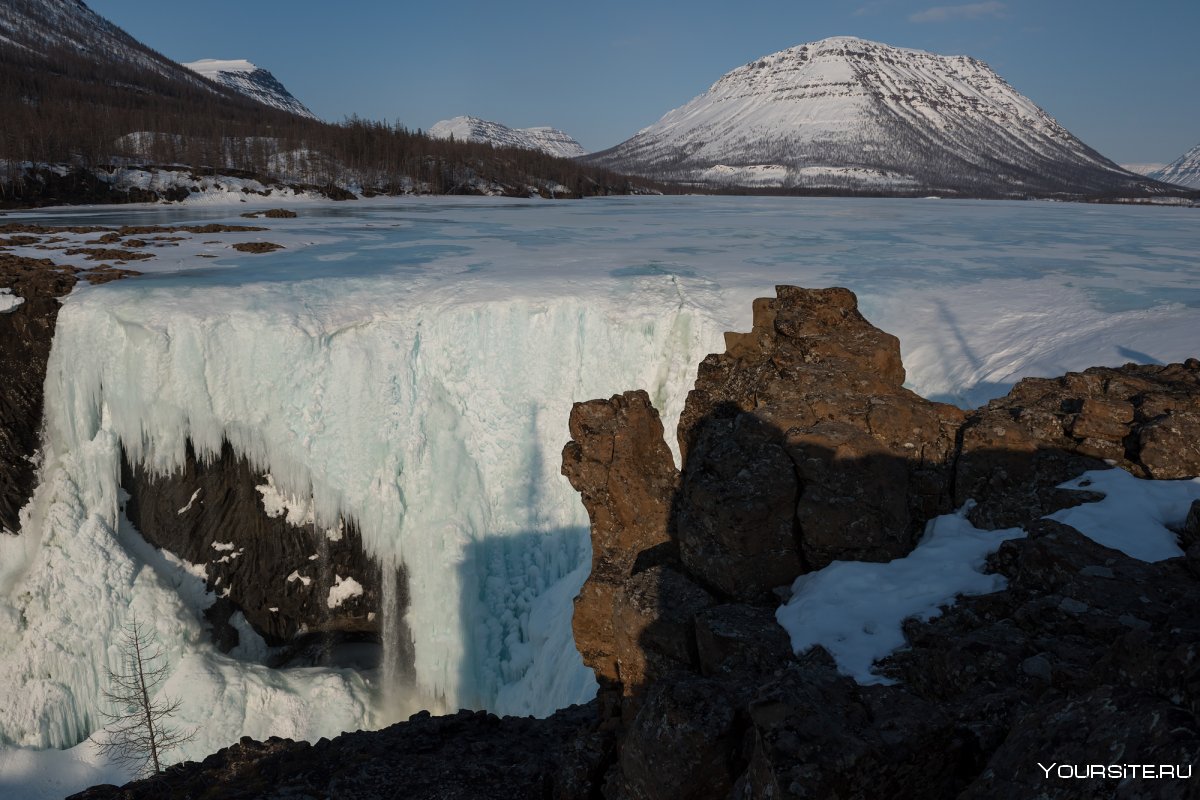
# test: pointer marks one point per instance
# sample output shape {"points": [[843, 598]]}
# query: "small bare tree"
{"points": [[138, 732]]}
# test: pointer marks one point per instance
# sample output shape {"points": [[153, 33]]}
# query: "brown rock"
{"points": [[736, 520], [1109, 725], [653, 618], [1015, 450], [738, 638], [791, 435], [679, 744], [626, 476], [801, 447], [107, 254], [819, 735]]}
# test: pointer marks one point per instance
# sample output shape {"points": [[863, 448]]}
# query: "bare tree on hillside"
{"points": [[138, 731]]}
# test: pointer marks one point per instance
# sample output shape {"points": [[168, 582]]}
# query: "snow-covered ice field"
{"points": [[412, 363]]}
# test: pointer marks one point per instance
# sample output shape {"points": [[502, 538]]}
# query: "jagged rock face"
{"points": [[816, 734], [801, 446], [283, 577], [1017, 449], [786, 439], [621, 466], [1075, 616], [26, 333], [1089, 656]]}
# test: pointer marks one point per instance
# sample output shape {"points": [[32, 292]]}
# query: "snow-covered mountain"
{"points": [[845, 113], [1184, 171], [252, 81], [38, 32], [473, 129]]}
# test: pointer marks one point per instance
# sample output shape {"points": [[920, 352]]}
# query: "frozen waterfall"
{"points": [[437, 426]]}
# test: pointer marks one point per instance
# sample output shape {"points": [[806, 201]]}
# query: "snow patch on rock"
{"points": [[855, 609], [9, 301], [342, 590]]}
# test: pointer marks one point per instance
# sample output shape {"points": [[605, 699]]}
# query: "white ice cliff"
{"points": [[384, 410]]}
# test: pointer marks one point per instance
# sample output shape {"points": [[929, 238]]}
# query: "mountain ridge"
{"points": [[551, 141], [251, 80], [1183, 171]]}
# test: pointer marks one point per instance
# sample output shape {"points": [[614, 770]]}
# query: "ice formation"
{"points": [[412, 365], [342, 590], [380, 410]]}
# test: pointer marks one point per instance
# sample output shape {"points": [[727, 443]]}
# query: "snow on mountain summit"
{"points": [[847, 113], [1184, 171], [251, 80], [473, 129]]}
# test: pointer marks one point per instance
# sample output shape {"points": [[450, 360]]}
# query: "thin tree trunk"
{"points": [[146, 707]]}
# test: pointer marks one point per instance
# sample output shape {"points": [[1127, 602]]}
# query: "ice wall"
{"points": [[435, 418]]}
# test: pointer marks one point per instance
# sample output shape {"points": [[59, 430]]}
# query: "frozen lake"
{"points": [[412, 363], [980, 293]]}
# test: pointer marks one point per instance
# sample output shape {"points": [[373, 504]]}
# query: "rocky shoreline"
{"points": [[801, 448]]}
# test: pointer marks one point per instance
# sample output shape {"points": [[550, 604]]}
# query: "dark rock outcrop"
{"points": [[788, 436], [26, 333], [1018, 448], [801, 447], [464, 756], [279, 575]]}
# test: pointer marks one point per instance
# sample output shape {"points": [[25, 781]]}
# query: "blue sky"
{"points": [[1123, 76]]}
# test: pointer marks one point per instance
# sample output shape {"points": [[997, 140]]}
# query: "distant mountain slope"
{"points": [[252, 81], [1184, 171], [472, 129], [73, 86], [849, 114], [47, 28], [1147, 169]]}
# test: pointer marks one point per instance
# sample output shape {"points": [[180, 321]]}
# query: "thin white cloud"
{"points": [[967, 11], [870, 9]]}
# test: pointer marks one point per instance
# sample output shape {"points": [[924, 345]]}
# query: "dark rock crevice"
{"points": [[26, 333], [277, 574]]}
